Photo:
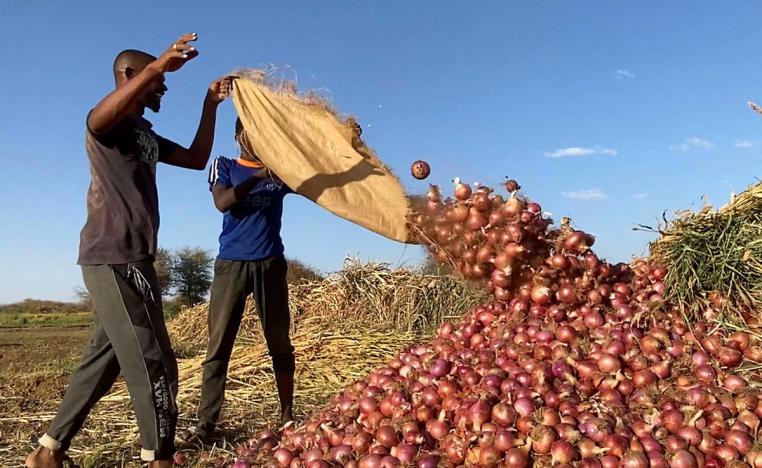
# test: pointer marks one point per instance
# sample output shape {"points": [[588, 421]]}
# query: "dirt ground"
{"points": [[35, 365]]}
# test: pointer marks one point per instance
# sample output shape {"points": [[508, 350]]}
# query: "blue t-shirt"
{"points": [[251, 229]]}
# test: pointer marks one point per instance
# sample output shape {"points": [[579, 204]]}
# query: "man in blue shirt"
{"points": [[250, 261]]}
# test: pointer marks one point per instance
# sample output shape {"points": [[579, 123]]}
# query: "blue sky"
{"points": [[608, 112]]}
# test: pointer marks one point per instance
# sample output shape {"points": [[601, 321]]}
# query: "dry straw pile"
{"points": [[343, 327], [714, 257]]}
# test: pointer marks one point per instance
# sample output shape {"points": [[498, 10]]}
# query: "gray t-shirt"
{"points": [[122, 201]]}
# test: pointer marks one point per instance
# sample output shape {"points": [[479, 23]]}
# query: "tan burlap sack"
{"points": [[320, 155]]}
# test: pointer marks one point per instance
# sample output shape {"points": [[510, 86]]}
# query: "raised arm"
{"points": [[123, 100], [197, 155]]}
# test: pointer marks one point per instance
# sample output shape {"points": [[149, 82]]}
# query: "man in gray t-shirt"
{"points": [[117, 249]]}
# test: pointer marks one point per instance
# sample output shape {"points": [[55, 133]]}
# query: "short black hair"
{"points": [[131, 58], [238, 126]]}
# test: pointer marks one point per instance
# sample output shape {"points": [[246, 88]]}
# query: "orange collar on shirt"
{"points": [[247, 163]]}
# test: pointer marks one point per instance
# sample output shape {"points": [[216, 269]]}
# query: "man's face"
{"points": [[240, 137], [154, 93]]}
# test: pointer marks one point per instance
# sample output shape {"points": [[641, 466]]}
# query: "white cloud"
{"points": [[693, 143], [585, 195], [580, 151], [639, 195], [621, 74], [744, 144]]}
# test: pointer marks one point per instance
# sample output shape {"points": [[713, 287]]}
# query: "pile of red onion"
{"points": [[499, 241], [575, 363]]}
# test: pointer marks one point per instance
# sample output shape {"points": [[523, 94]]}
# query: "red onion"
{"points": [[683, 459], [609, 461], [609, 363], [516, 458], [727, 452], [740, 440], [567, 294], [563, 452], [540, 294], [312, 464], [565, 334], [503, 415], [283, 456], [405, 453], [479, 413], [427, 461], [734, 383], [440, 368], [387, 436], [698, 397], [634, 460], [699, 358], [504, 440], [749, 419], [489, 456], [312, 454], [437, 429], [523, 406], [550, 417], [340, 453], [370, 461], [589, 463], [706, 373], [462, 191]]}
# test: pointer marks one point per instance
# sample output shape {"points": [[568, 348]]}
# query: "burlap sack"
{"points": [[320, 155]]}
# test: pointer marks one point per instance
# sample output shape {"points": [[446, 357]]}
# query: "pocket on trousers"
{"points": [[222, 265]]}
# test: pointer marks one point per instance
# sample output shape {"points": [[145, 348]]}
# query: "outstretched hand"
{"points": [[178, 54]]}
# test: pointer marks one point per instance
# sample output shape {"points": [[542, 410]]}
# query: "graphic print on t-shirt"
{"points": [[149, 148], [122, 201], [251, 228]]}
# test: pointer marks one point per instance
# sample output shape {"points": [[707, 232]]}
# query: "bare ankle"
{"points": [[43, 457]]}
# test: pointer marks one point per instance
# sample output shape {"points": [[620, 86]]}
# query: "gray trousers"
{"points": [[233, 281], [130, 336]]}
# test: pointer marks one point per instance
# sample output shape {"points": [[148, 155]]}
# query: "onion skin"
{"points": [[739, 440], [683, 459], [283, 456], [387, 436], [512, 186], [370, 461], [516, 458], [462, 191], [420, 169], [754, 458], [563, 452], [635, 460]]}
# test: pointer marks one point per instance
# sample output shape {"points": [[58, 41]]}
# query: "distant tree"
{"points": [[163, 266], [192, 274], [37, 306], [299, 272], [85, 301]]}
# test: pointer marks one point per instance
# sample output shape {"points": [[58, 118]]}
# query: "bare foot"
{"points": [[43, 457], [286, 416]]}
